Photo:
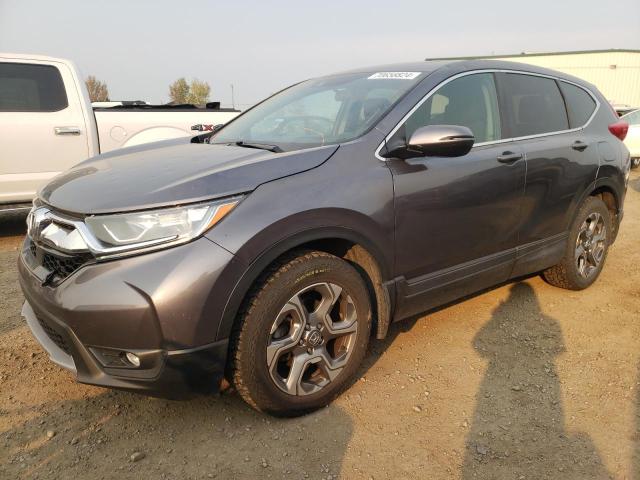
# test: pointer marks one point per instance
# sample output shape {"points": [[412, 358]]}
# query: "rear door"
{"points": [[42, 128], [561, 159]]}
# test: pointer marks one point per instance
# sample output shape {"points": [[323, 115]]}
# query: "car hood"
{"points": [[170, 173]]}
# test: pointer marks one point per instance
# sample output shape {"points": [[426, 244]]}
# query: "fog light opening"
{"points": [[133, 359]]}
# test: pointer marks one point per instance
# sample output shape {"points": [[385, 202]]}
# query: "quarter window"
{"points": [[533, 105], [470, 101], [31, 88], [580, 105]]}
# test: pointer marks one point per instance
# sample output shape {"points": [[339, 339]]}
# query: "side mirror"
{"points": [[439, 141]]}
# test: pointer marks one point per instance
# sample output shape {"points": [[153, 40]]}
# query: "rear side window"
{"points": [[470, 101], [533, 105], [31, 88], [580, 105]]}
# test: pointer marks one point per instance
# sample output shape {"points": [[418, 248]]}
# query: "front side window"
{"points": [[31, 88], [580, 105], [533, 105], [319, 112], [470, 101]]}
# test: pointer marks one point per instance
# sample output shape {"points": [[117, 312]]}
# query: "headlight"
{"points": [[142, 230]]}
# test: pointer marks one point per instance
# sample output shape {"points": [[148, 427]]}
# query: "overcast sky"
{"points": [[140, 46]]}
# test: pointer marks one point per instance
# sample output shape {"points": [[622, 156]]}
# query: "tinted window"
{"points": [[534, 105], [580, 104], [31, 88], [470, 101]]}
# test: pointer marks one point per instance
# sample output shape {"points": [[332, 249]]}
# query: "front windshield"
{"points": [[320, 111]]}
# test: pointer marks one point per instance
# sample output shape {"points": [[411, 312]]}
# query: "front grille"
{"points": [[62, 266], [59, 265], [55, 337]]}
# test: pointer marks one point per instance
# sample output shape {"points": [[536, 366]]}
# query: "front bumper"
{"points": [[163, 306], [181, 371]]}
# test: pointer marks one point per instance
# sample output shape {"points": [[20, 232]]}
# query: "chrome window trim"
{"points": [[502, 140]]}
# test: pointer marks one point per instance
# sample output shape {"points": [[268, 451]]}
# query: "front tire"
{"points": [[587, 247], [301, 334]]}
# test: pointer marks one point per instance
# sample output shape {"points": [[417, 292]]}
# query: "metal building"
{"points": [[615, 72]]}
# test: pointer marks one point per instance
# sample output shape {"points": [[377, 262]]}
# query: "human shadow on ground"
{"points": [[518, 428]]}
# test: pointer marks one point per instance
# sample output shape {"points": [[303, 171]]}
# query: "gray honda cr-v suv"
{"points": [[270, 251]]}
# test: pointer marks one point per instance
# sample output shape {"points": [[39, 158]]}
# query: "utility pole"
{"points": [[233, 100]]}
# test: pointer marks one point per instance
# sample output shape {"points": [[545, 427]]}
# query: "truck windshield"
{"points": [[320, 111]]}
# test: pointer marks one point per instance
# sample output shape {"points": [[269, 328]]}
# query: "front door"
{"points": [[456, 219], [42, 129]]}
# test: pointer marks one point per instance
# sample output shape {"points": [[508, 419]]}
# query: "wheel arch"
{"points": [[607, 190], [609, 195], [339, 241]]}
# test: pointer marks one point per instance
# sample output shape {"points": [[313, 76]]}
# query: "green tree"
{"points": [[182, 92], [98, 91], [198, 92], [179, 91]]}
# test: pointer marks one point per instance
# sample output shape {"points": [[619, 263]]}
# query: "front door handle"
{"points": [[509, 157], [579, 146], [67, 130]]}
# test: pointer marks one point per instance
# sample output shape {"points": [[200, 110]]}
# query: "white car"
{"points": [[632, 140], [47, 124]]}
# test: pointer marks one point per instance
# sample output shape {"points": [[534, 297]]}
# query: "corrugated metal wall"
{"points": [[616, 74]]}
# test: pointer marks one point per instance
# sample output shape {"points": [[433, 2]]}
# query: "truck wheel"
{"points": [[586, 249], [301, 334]]}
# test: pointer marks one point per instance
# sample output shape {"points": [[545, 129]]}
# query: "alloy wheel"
{"points": [[590, 245], [311, 339]]}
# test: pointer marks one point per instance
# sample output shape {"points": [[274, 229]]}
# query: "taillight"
{"points": [[619, 129]]}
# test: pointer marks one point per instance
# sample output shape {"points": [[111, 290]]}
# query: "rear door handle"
{"points": [[509, 157], [67, 130], [579, 146]]}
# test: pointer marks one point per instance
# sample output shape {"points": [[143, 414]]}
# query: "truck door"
{"points": [[42, 126]]}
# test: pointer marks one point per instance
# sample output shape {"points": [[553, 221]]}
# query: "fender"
{"points": [[268, 256], [607, 182]]}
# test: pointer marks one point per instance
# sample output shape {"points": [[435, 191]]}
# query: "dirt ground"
{"points": [[525, 381]]}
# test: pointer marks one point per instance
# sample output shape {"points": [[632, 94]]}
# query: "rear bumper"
{"points": [[179, 372]]}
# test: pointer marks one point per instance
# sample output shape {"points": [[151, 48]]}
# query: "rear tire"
{"points": [[301, 334], [587, 247]]}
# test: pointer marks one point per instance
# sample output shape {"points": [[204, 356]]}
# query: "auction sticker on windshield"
{"points": [[394, 75]]}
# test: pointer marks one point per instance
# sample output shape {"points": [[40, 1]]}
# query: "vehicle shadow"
{"points": [[206, 437], [518, 428]]}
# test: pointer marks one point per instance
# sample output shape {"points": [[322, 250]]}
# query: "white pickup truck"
{"points": [[47, 124]]}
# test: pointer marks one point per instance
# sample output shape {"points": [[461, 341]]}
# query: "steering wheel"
{"points": [[304, 125]]}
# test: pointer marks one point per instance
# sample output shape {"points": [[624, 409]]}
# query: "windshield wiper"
{"points": [[260, 146]]}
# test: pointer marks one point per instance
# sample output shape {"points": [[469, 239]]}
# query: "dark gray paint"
{"points": [[439, 228], [161, 175]]}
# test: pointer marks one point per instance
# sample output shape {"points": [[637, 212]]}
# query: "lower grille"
{"points": [[55, 337]]}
